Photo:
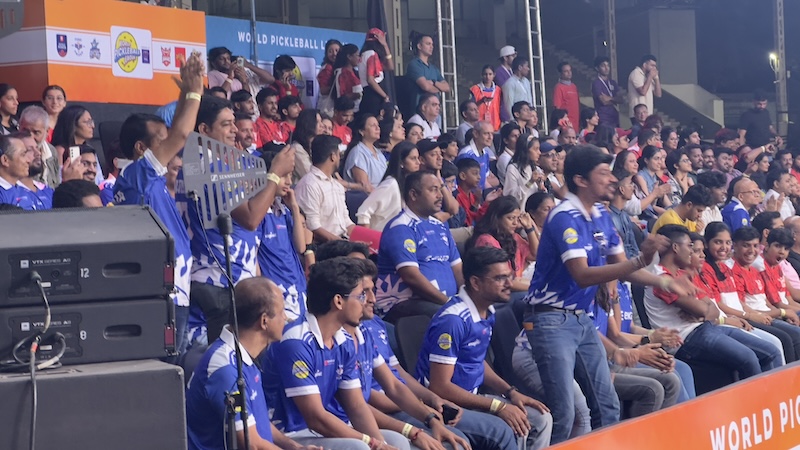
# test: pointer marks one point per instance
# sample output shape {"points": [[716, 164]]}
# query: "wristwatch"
{"points": [[645, 340], [430, 417]]}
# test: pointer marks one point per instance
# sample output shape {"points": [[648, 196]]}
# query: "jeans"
{"points": [[647, 389], [308, 437], [788, 334], [729, 347], [181, 333], [684, 372], [484, 431], [403, 416], [566, 346], [411, 307], [541, 427], [215, 303], [528, 373]]}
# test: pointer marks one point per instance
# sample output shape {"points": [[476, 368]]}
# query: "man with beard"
{"points": [[34, 119], [40, 193], [723, 162]]}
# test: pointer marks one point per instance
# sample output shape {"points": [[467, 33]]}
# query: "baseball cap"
{"points": [[373, 32], [426, 145], [507, 51], [621, 132], [546, 147]]}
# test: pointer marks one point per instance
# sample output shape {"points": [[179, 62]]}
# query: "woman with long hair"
{"points": [[392, 133], [669, 139], [309, 125], [364, 163], [487, 95], [376, 59], [54, 100], [558, 122], [538, 206], [9, 104], [647, 180], [498, 228], [346, 82], [523, 176], [386, 200], [414, 132], [325, 77], [679, 167], [589, 121], [75, 126]]}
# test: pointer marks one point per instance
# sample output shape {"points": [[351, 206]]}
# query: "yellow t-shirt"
{"points": [[670, 217]]}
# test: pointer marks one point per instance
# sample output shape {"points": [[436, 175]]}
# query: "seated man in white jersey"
{"points": [[427, 116], [452, 360], [315, 361], [259, 308], [209, 278]]}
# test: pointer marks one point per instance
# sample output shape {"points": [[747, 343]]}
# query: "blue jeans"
{"points": [[482, 430], [403, 416], [684, 372], [567, 346], [729, 347], [181, 335]]}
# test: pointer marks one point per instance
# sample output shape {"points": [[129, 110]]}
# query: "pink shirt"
{"points": [[790, 274], [217, 78], [523, 250]]}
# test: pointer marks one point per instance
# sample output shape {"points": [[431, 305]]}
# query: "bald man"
{"points": [[791, 265], [746, 195]]}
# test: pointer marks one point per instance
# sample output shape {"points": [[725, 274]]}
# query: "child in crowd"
{"points": [[469, 179]]}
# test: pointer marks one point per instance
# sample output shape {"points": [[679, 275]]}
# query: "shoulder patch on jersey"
{"points": [[445, 341], [300, 370], [570, 236], [410, 245], [744, 221]]}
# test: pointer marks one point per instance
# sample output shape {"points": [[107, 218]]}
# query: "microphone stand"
{"points": [[225, 225]]}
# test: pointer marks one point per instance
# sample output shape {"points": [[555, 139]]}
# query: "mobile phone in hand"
{"points": [[74, 153], [449, 413]]}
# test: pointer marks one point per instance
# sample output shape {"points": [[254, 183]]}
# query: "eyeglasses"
{"points": [[501, 279], [89, 123], [362, 297]]}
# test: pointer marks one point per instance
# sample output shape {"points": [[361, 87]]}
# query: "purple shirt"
{"points": [[501, 75], [608, 114]]}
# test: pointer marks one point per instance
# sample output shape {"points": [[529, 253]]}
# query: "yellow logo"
{"points": [[570, 236], [744, 221], [410, 245], [445, 341], [126, 52], [300, 370]]}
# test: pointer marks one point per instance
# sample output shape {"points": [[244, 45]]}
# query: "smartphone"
{"points": [[240, 61], [74, 153], [448, 413]]}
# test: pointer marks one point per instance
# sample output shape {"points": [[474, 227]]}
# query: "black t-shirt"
{"points": [[756, 122]]}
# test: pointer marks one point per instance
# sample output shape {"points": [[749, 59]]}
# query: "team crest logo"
{"points": [[445, 341], [300, 370], [570, 236], [126, 52], [166, 56], [145, 56], [94, 52], [78, 46], [61, 45], [410, 245], [180, 56]]}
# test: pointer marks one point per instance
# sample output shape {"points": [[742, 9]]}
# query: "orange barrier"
{"points": [[761, 413], [100, 50]]}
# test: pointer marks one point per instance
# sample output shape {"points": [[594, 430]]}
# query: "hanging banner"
{"points": [[100, 51], [306, 45]]}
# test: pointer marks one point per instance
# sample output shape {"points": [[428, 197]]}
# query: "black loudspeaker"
{"points": [[93, 332], [125, 405], [83, 255]]}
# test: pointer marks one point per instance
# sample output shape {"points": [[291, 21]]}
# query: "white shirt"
{"points": [[515, 90], [502, 164], [430, 130], [662, 314], [710, 214], [322, 199], [636, 79], [382, 204], [786, 209], [519, 185]]}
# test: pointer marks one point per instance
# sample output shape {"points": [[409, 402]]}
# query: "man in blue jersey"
{"points": [[144, 139], [745, 194], [215, 119], [14, 165], [39, 193], [260, 312], [283, 240], [419, 267], [452, 361], [479, 149], [313, 363], [579, 250]]}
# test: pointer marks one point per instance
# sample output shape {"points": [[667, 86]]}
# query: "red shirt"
{"points": [[346, 82], [474, 211], [774, 284], [566, 97], [343, 132], [748, 281], [283, 90], [325, 76], [268, 131], [713, 285]]}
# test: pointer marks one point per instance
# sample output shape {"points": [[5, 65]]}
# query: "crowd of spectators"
{"points": [[709, 228]]}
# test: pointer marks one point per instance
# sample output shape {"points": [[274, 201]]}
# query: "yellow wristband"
{"points": [[193, 96], [496, 404], [783, 313], [407, 429], [365, 438], [274, 178], [721, 320]]}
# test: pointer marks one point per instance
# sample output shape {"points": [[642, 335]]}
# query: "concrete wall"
{"points": [[673, 41], [700, 99]]}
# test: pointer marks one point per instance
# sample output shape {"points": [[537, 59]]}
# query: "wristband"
{"points": [[638, 262], [407, 428], [722, 320], [783, 313], [530, 230], [389, 56], [664, 284], [274, 178], [428, 418], [193, 96], [496, 404], [365, 438]]}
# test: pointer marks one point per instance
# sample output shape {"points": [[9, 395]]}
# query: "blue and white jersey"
{"points": [[300, 364], [408, 240], [142, 183], [625, 307], [205, 395], [735, 215], [600, 318], [471, 152], [243, 247], [18, 195], [571, 232], [280, 262], [457, 336], [367, 359], [380, 338], [39, 200]]}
